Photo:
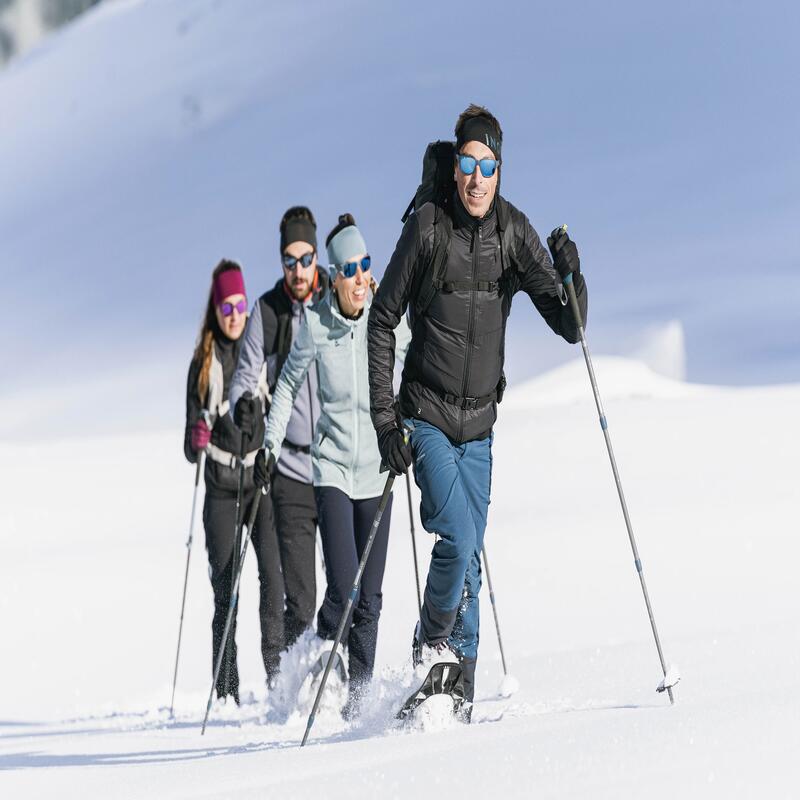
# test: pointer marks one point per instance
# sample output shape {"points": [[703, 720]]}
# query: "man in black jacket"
{"points": [[456, 267]]}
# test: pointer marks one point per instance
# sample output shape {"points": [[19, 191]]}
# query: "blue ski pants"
{"points": [[455, 483]]}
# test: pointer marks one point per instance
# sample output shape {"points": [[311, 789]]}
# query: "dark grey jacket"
{"points": [[454, 367], [271, 328]]}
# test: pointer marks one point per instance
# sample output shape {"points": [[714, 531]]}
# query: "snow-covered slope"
{"points": [[93, 533]]}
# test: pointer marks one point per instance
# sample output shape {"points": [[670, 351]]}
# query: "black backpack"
{"points": [[437, 186]]}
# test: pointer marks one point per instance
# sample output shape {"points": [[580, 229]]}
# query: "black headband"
{"points": [[479, 129], [298, 230]]}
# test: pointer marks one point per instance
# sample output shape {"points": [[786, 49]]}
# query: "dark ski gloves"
{"points": [[395, 450], [249, 418], [564, 252], [263, 469]]}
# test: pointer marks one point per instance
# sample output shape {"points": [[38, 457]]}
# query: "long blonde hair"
{"points": [[204, 348]]}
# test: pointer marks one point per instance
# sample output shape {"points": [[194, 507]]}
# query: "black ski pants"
{"points": [[345, 525], [295, 512], [219, 519]]}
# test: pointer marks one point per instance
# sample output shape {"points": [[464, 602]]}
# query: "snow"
{"points": [[671, 678], [663, 349], [508, 685], [93, 533]]}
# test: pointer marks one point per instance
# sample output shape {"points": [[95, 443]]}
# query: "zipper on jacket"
{"points": [[354, 395], [310, 423], [476, 255]]}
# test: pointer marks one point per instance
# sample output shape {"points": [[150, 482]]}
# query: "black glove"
{"points": [[246, 415], [564, 252], [263, 469], [395, 450]]}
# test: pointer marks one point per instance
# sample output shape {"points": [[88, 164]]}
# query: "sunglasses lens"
{"points": [[488, 166], [349, 269], [290, 262], [366, 263], [227, 308], [467, 164]]}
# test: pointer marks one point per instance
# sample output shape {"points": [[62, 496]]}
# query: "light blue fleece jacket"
{"points": [[345, 449]]}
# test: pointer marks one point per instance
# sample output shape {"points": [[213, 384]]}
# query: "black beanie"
{"points": [[479, 129], [298, 229]]}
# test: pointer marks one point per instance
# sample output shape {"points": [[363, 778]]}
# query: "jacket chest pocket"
{"points": [[335, 366]]}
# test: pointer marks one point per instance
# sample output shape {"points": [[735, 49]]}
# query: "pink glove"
{"points": [[201, 435]]}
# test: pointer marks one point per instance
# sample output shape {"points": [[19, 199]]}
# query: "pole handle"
{"points": [[569, 285]]}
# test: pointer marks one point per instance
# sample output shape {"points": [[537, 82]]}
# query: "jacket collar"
{"points": [[340, 318], [463, 219]]}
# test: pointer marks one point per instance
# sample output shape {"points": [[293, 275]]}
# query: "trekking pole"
{"points": [[200, 463], [234, 600], [321, 553], [413, 542], [387, 491], [237, 540], [669, 680], [494, 609]]}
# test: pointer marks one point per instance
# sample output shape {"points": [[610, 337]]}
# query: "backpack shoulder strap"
{"points": [[432, 272], [506, 233], [216, 407], [276, 318]]}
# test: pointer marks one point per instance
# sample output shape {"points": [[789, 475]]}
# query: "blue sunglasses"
{"points": [[349, 269], [488, 166]]}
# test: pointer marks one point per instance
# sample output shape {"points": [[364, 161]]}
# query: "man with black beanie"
{"points": [[273, 322], [458, 264]]}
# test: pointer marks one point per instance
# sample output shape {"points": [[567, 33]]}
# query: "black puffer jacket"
{"points": [[455, 362], [225, 434]]}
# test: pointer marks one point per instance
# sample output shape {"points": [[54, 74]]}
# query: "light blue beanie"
{"points": [[346, 245]]}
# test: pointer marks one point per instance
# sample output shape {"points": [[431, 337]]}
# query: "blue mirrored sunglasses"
{"points": [[488, 165], [290, 262], [349, 269]]}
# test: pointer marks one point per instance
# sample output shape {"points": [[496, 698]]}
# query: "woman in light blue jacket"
{"points": [[347, 478]]}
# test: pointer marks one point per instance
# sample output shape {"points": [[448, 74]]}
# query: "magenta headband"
{"points": [[228, 283]]}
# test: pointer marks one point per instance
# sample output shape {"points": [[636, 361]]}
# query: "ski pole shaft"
{"points": [[199, 471], [576, 311], [387, 491], [321, 554], [413, 542], [234, 600], [237, 542], [494, 610]]}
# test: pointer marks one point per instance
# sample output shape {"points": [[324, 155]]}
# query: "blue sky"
{"points": [[667, 137]]}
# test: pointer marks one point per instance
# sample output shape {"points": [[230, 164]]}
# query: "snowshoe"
{"points": [[442, 679], [336, 688]]}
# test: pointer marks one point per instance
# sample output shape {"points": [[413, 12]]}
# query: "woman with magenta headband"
{"points": [[346, 462], [210, 374]]}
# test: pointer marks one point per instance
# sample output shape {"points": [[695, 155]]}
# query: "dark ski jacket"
{"points": [[225, 435], [453, 373], [271, 327]]}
